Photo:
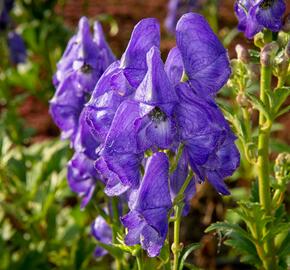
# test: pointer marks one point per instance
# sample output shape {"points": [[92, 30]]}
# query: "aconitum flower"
{"points": [[208, 141], [84, 61], [255, 15], [102, 233], [147, 221], [82, 177], [119, 81], [17, 48], [157, 98]]}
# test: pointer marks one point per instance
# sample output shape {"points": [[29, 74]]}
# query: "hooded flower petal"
{"points": [[66, 106], [205, 59], [82, 177], [120, 159], [155, 89], [157, 96], [174, 66], [145, 35], [147, 221], [103, 233]]}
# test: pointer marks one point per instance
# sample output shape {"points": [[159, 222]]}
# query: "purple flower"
{"points": [[120, 80], [176, 8], [103, 233], [147, 220], [207, 138], [157, 98], [205, 60], [82, 177], [120, 161], [17, 48], [254, 16], [83, 62]]}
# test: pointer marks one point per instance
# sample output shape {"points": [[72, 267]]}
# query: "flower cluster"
{"points": [[14, 40], [139, 113], [255, 15]]}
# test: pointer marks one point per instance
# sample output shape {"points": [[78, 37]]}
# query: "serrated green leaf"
{"points": [[279, 97], [185, 253], [259, 105]]}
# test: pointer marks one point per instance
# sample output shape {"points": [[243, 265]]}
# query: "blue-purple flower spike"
{"points": [[254, 16], [206, 61], [147, 221], [83, 62]]}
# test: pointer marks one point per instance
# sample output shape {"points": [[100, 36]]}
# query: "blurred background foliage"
{"points": [[41, 224]]}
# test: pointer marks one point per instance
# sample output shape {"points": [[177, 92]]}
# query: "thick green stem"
{"points": [[176, 247], [263, 144], [263, 162]]}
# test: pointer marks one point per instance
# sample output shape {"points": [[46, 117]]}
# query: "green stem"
{"points": [[115, 223], [263, 162], [263, 144], [139, 262], [176, 247]]}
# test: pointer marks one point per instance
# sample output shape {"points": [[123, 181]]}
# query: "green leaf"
{"points": [[283, 111], [259, 105], [228, 229], [185, 253], [279, 97]]}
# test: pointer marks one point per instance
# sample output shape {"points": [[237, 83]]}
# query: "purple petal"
{"points": [[205, 59], [82, 177], [17, 48], [103, 233], [155, 182], [174, 66], [155, 89], [145, 35], [269, 14]]}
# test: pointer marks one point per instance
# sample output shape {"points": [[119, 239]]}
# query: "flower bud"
{"points": [[287, 50], [259, 40], [242, 54], [282, 165], [242, 100], [286, 24], [281, 65], [268, 53]]}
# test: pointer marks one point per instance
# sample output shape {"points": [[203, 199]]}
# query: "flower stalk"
{"points": [[265, 125]]}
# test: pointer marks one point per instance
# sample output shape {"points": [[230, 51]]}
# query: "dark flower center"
{"points": [[86, 68], [157, 115], [267, 4]]}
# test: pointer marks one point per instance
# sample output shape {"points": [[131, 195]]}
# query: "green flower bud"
{"points": [[268, 53], [242, 54]]}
